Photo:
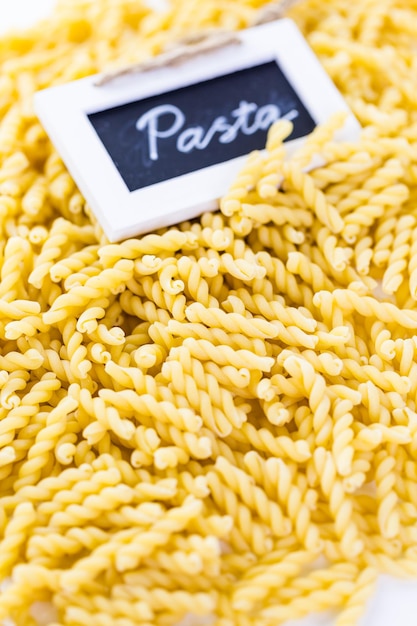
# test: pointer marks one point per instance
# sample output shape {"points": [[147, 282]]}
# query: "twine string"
{"points": [[196, 44]]}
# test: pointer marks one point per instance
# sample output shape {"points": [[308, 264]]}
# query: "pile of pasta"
{"points": [[216, 422]]}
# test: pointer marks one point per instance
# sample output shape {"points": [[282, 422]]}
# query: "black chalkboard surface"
{"points": [[190, 128]]}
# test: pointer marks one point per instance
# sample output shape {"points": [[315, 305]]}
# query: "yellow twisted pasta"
{"points": [[388, 517], [224, 355], [397, 261], [96, 287], [336, 256], [247, 532], [83, 617], [146, 405], [17, 256], [278, 482], [412, 267], [343, 435], [198, 389], [315, 387], [339, 173], [311, 273], [56, 545], [76, 262], [20, 416], [159, 599], [39, 455], [365, 215], [284, 281], [339, 504], [274, 309], [253, 589], [282, 446], [355, 605], [270, 178], [247, 359], [315, 142], [171, 241], [315, 199], [15, 536], [233, 322], [319, 578], [320, 599], [232, 201], [132, 548], [252, 496], [366, 306], [217, 336]]}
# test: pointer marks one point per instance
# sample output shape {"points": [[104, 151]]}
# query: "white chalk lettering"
{"points": [[150, 119], [248, 118], [190, 139]]}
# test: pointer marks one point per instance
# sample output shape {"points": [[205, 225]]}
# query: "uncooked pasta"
{"points": [[215, 422]]}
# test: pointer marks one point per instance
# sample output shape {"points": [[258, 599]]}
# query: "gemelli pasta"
{"points": [[215, 422]]}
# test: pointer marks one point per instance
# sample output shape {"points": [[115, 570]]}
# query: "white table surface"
{"points": [[395, 601]]}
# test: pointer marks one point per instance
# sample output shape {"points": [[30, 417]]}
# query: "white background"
{"points": [[395, 602]]}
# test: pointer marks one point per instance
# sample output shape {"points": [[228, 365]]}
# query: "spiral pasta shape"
{"points": [[215, 421]]}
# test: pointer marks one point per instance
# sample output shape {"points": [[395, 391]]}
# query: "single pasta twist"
{"points": [[356, 603], [262, 580], [51, 250], [366, 306], [397, 261], [274, 309], [254, 497], [15, 536], [193, 276], [233, 322], [74, 263], [340, 505], [314, 386], [20, 416], [317, 139], [17, 259], [205, 395], [57, 545], [224, 355], [412, 265], [270, 177], [284, 281], [160, 599], [217, 336], [321, 599], [388, 515], [127, 400], [311, 273], [365, 215], [341, 171], [247, 530], [263, 440], [314, 197], [246, 180], [38, 456], [83, 617], [278, 482], [171, 241], [318, 579], [96, 287]]}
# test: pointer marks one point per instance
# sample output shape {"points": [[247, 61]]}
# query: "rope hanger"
{"points": [[196, 44]]}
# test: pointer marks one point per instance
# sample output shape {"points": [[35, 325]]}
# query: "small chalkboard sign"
{"points": [[148, 150]]}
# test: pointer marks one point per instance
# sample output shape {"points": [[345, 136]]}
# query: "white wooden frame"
{"points": [[63, 111]]}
